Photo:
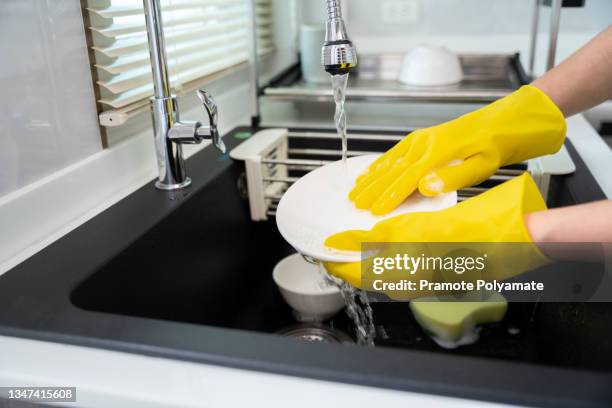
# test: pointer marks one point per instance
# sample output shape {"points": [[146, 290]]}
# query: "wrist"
{"points": [[538, 227], [553, 93]]}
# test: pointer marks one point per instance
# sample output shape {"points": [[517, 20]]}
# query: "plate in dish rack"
{"points": [[317, 206]]}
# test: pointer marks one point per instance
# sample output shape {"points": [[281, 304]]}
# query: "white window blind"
{"points": [[203, 38]]}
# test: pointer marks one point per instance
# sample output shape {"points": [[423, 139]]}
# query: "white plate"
{"points": [[317, 206]]}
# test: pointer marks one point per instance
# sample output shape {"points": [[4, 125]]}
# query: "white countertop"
{"points": [[112, 379]]}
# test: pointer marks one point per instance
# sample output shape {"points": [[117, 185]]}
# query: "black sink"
{"points": [[187, 275], [207, 263]]}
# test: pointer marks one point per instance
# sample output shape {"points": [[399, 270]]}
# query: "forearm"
{"points": [[584, 79], [590, 222], [580, 223]]}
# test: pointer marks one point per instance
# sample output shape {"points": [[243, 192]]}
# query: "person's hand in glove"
{"points": [[464, 151], [469, 149], [494, 216]]}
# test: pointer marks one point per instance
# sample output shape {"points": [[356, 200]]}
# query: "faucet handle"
{"points": [[213, 116]]}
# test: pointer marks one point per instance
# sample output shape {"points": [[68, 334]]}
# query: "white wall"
{"points": [[473, 17], [47, 114]]}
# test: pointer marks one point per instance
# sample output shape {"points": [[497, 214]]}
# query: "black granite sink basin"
{"points": [[207, 263], [187, 275]]}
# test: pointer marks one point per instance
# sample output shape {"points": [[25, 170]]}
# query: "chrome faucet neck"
{"points": [[334, 11], [169, 132]]}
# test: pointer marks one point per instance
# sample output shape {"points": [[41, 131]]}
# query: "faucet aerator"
{"points": [[339, 56]]}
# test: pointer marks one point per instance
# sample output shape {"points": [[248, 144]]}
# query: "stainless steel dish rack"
{"points": [[276, 158], [487, 78]]}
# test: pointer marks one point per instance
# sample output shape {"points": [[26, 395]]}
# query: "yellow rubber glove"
{"points": [[493, 216], [463, 152]]}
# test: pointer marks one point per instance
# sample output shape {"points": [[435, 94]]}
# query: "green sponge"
{"points": [[452, 320]]}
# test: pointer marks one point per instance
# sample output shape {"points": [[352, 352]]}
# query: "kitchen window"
{"points": [[204, 39]]}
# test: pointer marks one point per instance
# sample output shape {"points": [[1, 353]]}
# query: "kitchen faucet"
{"points": [[171, 133], [339, 56]]}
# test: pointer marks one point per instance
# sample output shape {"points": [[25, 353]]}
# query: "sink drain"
{"points": [[320, 334]]}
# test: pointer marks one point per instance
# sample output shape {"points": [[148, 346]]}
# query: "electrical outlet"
{"points": [[400, 11]]}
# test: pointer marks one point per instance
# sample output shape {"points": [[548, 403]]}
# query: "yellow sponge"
{"points": [[452, 320]]}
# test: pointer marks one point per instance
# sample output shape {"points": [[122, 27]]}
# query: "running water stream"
{"points": [[358, 308], [357, 304], [339, 83]]}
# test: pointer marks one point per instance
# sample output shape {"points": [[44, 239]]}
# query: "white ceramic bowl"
{"points": [[428, 65], [303, 287]]}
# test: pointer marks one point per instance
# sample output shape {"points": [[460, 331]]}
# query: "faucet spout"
{"points": [[339, 55], [169, 132]]}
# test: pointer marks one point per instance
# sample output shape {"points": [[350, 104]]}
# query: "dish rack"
{"points": [[487, 77], [276, 158]]}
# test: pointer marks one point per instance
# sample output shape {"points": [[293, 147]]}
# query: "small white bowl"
{"points": [[428, 65], [304, 288]]}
